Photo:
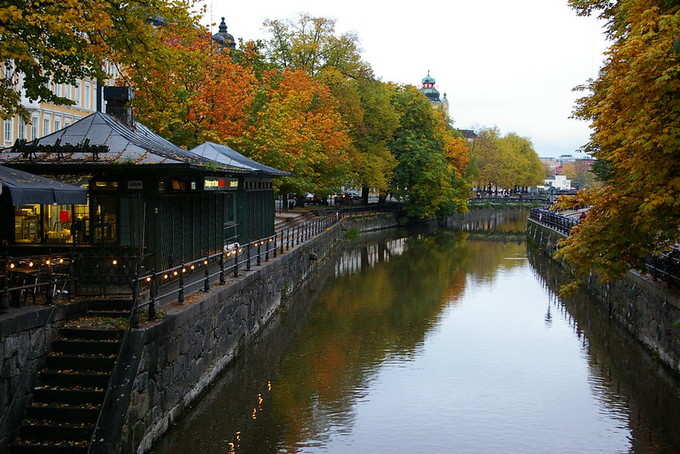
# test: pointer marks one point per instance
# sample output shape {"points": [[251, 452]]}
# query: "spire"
{"points": [[223, 26]]}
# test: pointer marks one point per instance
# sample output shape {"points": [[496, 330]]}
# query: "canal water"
{"points": [[451, 341]]}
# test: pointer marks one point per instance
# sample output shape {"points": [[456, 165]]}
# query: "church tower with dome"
{"points": [[429, 90]]}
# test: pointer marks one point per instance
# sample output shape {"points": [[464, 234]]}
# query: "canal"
{"points": [[438, 342]]}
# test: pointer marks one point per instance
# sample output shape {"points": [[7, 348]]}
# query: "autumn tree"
{"points": [[296, 127], [505, 162], [634, 110], [61, 41], [311, 44], [197, 93]]}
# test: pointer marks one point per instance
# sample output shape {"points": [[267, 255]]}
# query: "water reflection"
{"points": [[437, 342]]}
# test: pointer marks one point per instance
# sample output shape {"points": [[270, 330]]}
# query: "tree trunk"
{"points": [[364, 194]]}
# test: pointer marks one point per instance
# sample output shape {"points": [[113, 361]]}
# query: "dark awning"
{"points": [[25, 187]]}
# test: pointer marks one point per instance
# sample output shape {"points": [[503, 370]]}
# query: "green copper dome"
{"points": [[428, 79]]}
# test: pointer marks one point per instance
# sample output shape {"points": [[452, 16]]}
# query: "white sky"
{"points": [[505, 63]]}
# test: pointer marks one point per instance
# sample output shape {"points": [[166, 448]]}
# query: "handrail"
{"points": [[665, 266], [553, 219], [42, 269], [241, 257]]}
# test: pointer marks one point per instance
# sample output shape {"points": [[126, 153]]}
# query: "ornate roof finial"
{"points": [[223, 26]]}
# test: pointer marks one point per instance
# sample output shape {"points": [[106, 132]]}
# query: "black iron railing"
{"points": [[35, 279], [665, 266], [553, 219], [174, 284]]}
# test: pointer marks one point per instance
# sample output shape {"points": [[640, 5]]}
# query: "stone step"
{"points": [[90, 333], [64, 412], [76, 346], [92, 379], [51, 447], [50, 394], [123, 313], [81, 362], [44, 430], [111, 305]]}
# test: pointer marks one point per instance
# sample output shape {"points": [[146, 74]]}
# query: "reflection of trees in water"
{"points": [[490, 220], [389, 292], [623, 376]]}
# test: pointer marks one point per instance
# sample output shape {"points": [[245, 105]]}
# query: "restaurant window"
{"points": [[106, 220], [81, 222], [27, 224], [58, 224]]}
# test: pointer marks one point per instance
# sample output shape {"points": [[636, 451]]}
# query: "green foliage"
{"points": [[423, 177], [352, 234], [505, 162]]}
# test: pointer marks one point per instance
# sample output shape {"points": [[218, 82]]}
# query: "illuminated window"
{"points": [[27, 224], [58, 224]]}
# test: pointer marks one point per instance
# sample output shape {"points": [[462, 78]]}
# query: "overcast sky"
{"points": [[510, 64]]}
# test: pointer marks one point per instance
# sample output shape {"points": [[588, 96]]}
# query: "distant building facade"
{"points": [[45, 117]]}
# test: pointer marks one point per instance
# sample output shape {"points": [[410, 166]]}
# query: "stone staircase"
{"points": [[70, 389]]}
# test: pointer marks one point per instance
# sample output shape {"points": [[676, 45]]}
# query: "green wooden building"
{"points": [[147, 198]]}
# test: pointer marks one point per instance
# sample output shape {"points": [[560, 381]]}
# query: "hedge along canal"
{"points": [[437, 342]]}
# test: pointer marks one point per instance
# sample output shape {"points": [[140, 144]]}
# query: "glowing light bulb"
{"points": [[115, 262]]}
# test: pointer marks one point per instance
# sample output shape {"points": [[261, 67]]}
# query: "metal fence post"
{"points": [[49, 295], [153, 292], [248, 257], [236, 262], [134, 321], [281, 246], [259, 255], [222, 279], [287, 238], [180, 295], [276, 249], [206, 274], [266, 249]]}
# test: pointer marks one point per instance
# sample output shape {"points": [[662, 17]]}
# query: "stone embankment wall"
{"points": [[25, 339], [646, 308], [167, 365]]}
